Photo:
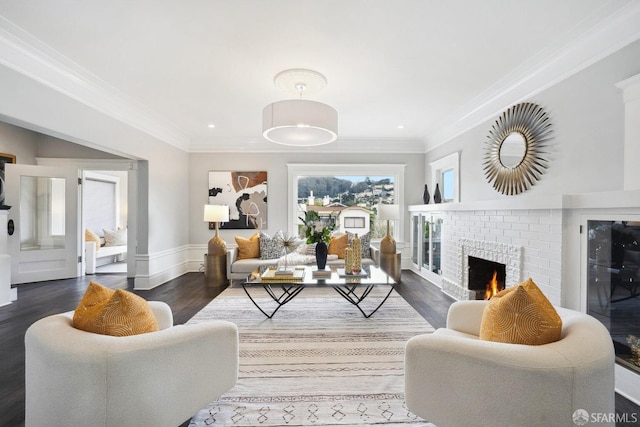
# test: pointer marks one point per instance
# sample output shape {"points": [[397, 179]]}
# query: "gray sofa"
{"points": [[241, 268]]}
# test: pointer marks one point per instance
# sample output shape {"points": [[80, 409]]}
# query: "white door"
{"points": [[45, 241]]}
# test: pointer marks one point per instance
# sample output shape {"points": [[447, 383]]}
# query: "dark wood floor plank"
{"points": [[186, 295]]}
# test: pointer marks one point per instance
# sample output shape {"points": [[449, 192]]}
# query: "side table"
{"points": [[391, 264], [215, 270]]}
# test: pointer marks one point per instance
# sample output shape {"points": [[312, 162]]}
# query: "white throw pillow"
{"points": [[115, 237]]}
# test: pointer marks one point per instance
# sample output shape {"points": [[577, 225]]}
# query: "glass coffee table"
{"points": [[354, 289]]}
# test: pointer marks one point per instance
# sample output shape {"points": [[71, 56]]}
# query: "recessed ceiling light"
{"points": [[400, 126], [211, 126]]}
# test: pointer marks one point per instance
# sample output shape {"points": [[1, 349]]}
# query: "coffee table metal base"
{"points": [[287, 292], [349, 293]]}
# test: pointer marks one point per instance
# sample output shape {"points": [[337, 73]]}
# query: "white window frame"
{"points": [[354, 222], [296, 170], [450, 162]]}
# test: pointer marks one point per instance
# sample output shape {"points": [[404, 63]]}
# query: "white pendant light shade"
{"points": [[300, 123]]}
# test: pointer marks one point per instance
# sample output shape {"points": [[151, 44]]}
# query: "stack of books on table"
{"points": [[343, 274], [321, 274], [280, 274]]}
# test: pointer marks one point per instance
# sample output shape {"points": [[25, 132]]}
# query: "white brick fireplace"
{"points": [[528, 242], [548, 238], [509, 255]]}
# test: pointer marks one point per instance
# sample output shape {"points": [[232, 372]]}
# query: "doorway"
{"points": [[104, 219]]}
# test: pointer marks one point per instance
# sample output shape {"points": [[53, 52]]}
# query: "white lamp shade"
{"points": [[299, 122], [216, 213], [388, 212]]}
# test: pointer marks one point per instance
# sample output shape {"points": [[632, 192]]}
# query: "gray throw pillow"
{"points": [[271, 247]]}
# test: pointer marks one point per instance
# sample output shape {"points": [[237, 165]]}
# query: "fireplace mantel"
{"points": [[601, 200]]}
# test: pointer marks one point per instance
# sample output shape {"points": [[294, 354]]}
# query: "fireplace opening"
{"points": [[486, 278]]}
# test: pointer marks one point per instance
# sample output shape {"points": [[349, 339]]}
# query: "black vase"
{"points": [[437, 197], [426, 196], [321, 255]]}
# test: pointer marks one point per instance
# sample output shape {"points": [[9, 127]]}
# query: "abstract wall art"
{"points": [[246, 195]]}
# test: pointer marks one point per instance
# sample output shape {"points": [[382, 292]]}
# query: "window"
{"points": [[448, 193], [372, 184], [445, 173], [353, 222], [100, 202]]}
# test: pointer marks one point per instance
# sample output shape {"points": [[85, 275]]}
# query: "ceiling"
{"points": [[434, 67]]}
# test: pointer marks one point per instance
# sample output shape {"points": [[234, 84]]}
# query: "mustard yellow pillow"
{"points": [[337, 245], [521, 315], [248, 248], [90, 236], [117, 313]]}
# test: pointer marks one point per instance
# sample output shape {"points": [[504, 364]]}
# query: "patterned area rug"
{"points": [[317, 362]]}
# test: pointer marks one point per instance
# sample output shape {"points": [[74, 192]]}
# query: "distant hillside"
{"points": [[334, 187]]}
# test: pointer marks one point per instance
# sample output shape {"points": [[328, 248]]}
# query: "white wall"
{"points": [[22, 143], [276, 166], [587, 114], [164, 235]]}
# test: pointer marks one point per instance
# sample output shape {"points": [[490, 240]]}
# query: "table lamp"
{"points": [[216, 214], [389, 213]]}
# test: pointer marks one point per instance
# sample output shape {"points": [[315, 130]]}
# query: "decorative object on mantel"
{"points": [[437, 197], [513, 159], [300, 122], [425, 195]]}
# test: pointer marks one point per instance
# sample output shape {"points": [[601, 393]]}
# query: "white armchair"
{"points": [[452, 378], [77, 378]]}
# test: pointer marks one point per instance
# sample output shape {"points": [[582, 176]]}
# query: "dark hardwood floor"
{"points": [[186, 295]]}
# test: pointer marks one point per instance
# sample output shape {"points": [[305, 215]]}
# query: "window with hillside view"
{"points": [[354, 185], [348, 191]]}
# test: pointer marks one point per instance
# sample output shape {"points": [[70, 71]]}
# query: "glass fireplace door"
{"points": [[613, 284]]}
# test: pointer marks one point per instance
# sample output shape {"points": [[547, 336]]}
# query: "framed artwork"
{"points": [[4, 158], [246, 195]]}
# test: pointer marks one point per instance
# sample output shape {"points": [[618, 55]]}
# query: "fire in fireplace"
{"points": [[486, 278]]}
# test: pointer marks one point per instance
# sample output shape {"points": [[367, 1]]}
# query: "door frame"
{"points": [[96, 165]]}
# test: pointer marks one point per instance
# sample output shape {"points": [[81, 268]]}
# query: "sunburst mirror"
{"points": [[515, 148]]}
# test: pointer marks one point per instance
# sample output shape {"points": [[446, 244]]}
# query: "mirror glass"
{"points": [[513, 149], [42, 213]]}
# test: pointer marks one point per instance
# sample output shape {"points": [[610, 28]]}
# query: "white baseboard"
{"points": [[155, 269]]}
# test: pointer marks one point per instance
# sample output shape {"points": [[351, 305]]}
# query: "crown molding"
{"points": [[341, 146], [30, 57], [581, 48]]}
